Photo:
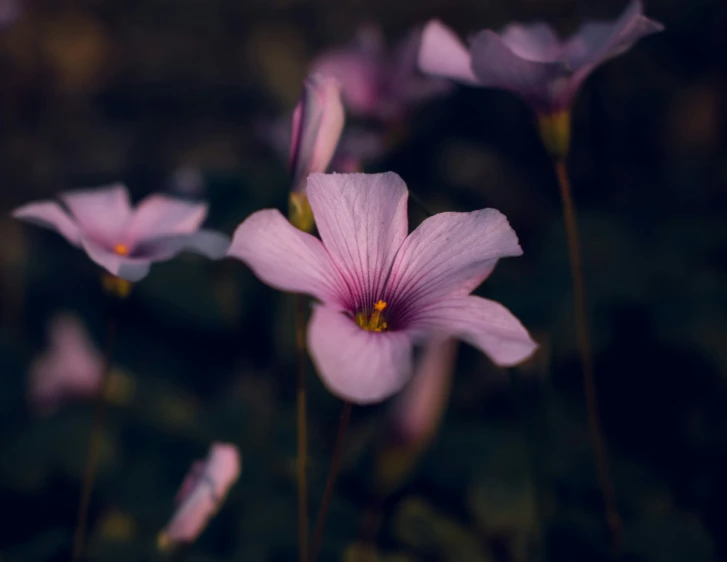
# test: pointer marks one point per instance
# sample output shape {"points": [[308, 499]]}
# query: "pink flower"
{"points": [[377, 83], [70, 369], [530, 60], [317, 125], [122, 240], [381, 291], [418, 410], [201, 495]]}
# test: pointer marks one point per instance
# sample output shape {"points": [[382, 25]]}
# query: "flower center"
{"points": [[374, 322], [121, 249]]}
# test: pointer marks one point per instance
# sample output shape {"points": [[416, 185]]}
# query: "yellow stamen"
{"points": [[373, 323], [121, 249]]}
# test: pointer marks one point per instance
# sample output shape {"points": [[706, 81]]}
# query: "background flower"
{"points": [[122, 240]]}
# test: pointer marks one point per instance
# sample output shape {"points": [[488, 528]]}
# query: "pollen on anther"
{"points": [[121, 249]]}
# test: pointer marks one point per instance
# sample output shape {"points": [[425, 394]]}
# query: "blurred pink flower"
{"points": [[201, 495], [381, 291], [317, 125], [70, 369], [419, 409], [530, 60], [377, 83], [357, 146], [122, 240]]}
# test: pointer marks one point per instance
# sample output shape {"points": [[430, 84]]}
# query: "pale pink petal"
{"points": [[100, 213], [70, 368], [449, 254], [443, 54], [128, 268], [286, 258], [597, 42], [317, 126], [362, 221], [161, 215], [536, 42], [205, 493], [208, 243], [49, 214], [483, 323], [418, 410], [357, 365], [496, 65]]}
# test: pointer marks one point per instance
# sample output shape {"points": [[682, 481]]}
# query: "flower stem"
{"points": [[581, 318], [302, 430], [94, 443], [330, 481]]}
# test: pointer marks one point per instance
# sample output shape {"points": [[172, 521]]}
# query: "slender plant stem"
{"points": [[330, 481], [94, 443], [584, 341], [302, 430]]}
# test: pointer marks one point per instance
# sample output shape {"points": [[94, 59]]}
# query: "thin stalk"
{"points": [[330, 481], [302, 430], [584, 344], [94, 443]]}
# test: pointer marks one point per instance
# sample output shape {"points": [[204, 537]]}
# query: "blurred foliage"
{"points": [[98, 90]]}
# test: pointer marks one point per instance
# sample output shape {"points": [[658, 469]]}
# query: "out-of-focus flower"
{"points": [[123, 240], [70, 369], [417, 412], [317, 125], [533, 63], [201, 495], [381, 291], [357, 147], [376, 83]]}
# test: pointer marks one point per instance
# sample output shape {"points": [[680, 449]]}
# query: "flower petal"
{"points": [[362, 221], [130, 269], [317, 125], [536, 42], [49, 214], [100, 213], [496, 65], [356, 365], [597, 42], [449, 254], [286, 258], [443, 54], [483, 323], [161, 215], [208, 243]]}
